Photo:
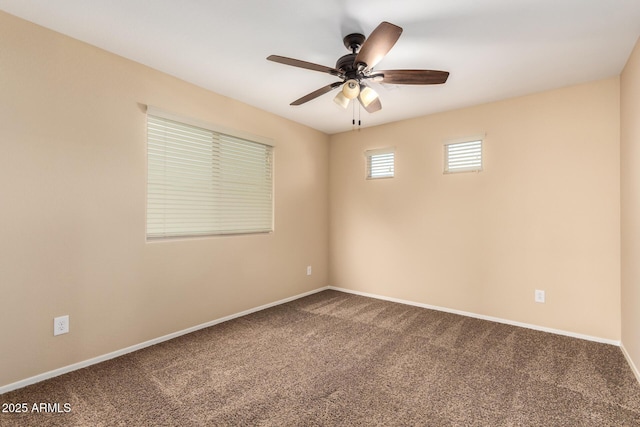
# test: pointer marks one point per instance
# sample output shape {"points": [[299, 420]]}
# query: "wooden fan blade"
{"points": [[377, 45], [316, 93], [303, 64], [412, 77], [374, 106]]}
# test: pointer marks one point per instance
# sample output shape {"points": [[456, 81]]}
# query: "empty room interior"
{"points": [[543, 235]]}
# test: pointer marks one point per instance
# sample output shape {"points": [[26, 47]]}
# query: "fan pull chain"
{"points": [[353, 115], [353, 121]]}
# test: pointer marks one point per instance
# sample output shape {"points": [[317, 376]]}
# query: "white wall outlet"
{"points": [[539, 296], [61, 325], [308, 270]]}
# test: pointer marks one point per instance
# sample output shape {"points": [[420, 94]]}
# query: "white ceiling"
{"points": [[494, 49]]}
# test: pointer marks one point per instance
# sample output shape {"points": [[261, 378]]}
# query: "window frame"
{"points": [[222, 138], [461, 145], [370, 154]]}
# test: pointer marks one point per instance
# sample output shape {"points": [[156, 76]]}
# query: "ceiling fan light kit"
{"points": [[357, 67]]}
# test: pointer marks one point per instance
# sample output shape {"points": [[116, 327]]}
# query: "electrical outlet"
{"points": [[308, 270], [61, 325], [539, 296]]}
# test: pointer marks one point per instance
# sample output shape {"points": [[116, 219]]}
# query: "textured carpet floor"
{"points": [[339, 359]]}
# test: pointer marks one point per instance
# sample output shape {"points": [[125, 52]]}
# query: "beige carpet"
{"points": [[339, 359]]}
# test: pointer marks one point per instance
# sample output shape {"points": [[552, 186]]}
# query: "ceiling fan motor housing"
{"points": [[346, 63]]}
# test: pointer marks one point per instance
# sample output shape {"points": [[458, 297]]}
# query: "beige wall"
{"points": [[544, 214], [630, 195], [72, 216]]}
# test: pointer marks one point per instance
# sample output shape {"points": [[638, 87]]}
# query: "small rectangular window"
{"points": [[463, 156], [380, 163], [203, 182]]}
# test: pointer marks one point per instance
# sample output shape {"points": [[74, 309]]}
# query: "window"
{"points": [[203, 182], [380, 163], [463, 156]]}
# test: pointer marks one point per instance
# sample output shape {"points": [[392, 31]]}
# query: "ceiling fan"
{"points": [[356, 68]]}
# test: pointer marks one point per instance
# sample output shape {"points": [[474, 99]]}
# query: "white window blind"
{"points": [[203, 182], [463, 156], [380, 163]]}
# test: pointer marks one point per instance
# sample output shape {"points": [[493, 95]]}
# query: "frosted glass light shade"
{"points": [[367, 96], [351, 89], [341, 100]]}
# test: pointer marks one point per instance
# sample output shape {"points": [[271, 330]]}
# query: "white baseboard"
{"points": [[480, 316], [114, 354], [632, 365]]}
